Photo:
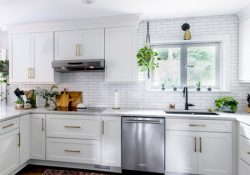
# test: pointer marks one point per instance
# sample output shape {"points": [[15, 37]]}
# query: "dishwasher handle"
{"points": [[144, 121]]}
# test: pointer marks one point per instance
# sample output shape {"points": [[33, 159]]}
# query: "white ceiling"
{"points": [[19, 11]]}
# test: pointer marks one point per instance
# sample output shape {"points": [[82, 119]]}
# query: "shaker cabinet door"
{"points": [[120, 54]]}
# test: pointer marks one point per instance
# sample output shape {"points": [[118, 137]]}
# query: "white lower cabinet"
{"points": [[215, 154], [181, 156], [9, 152], [24, 139], [111, 141], [244, 168], [198, 152], [74, 150], [244, 149], [37, 136]]}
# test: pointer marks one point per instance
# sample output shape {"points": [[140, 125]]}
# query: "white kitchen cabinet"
{"points": [[244, 168], [66, 45], [244, 51], [20, 57], [79, 44], [111, 141], [30, 58], [198, 147], [120, 54], [9, 152], [91, 43], [215, 154], [24, 139], [37, 136], [181, 153], [74, 126], [74, 150]]}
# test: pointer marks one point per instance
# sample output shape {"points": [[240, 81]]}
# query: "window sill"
{"points": [[190, 90]]}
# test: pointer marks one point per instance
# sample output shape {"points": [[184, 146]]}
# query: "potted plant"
{"points": [[146, 59], [226, 104], [19, 103], [198, 86], [48, 95]]}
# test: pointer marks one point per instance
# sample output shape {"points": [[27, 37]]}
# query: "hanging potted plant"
{"points": [[147, 57]]}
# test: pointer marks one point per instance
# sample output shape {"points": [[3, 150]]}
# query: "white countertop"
{"points": [[7, 113]]}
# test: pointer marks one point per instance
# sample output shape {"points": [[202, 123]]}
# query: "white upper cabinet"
{"points": [[30, 58], [91, 43], [20, 57], [42, 54], [79, 44], [66, 45], [120, 54], [244, 51]]}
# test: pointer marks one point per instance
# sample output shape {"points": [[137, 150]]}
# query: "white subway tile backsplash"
{"points": [[97, 92]]}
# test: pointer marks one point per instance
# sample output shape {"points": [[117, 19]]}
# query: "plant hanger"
{"points": [[148, 36]]}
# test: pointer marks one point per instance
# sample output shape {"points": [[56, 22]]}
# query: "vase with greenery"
{"points": [[226, 104], [147, 59], [198, 86], [48, 95]]}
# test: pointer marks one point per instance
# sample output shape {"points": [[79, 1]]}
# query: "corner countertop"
{"points": [[7, 113]]}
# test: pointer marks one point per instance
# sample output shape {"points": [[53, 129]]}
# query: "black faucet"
{"points": [[185, 95]]}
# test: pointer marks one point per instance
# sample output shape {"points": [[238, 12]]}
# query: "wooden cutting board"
{"points": [[64, 99], [69, 99]]}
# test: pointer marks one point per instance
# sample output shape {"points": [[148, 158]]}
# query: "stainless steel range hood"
{"points": [[79, 65]]}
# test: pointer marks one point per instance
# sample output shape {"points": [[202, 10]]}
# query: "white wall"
{"points": [[99, 93]]}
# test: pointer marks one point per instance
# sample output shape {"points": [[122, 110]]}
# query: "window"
{"points": [[187, 64]]}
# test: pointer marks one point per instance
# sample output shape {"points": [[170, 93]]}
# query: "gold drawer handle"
{"points": [[72, 127], [193, 125], [72, 151], [7, 126]]}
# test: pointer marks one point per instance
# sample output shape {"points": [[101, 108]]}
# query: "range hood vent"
{"points": [[79, 65]]}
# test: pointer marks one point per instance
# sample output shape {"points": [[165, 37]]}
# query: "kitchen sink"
{"points": [[191, 113]]}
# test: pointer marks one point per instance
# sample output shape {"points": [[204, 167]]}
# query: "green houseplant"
{"points": [[48, 95], [146, 59], [226, 104]]}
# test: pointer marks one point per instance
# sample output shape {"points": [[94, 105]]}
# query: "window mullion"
{"points": [[183, 65]]}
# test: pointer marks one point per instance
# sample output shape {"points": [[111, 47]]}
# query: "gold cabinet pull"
{"points": [[197, 125], [19, 140], [200, 145], [195, 145], [28, 72], [42, 124], [103, 127], [76, 49], [79, 50], [72, 126], [72, 151], [7, 126]]}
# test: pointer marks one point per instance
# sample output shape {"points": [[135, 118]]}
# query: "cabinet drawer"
{"points": [[74, 126], [73, 150], [245, 149], [198, 125], [9, 125], [245, 130]]}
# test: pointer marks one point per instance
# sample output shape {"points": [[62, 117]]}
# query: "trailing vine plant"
{"points": [[147, 57]]}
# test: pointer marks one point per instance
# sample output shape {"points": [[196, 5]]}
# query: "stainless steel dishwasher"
{"points": [[143, 144]]}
